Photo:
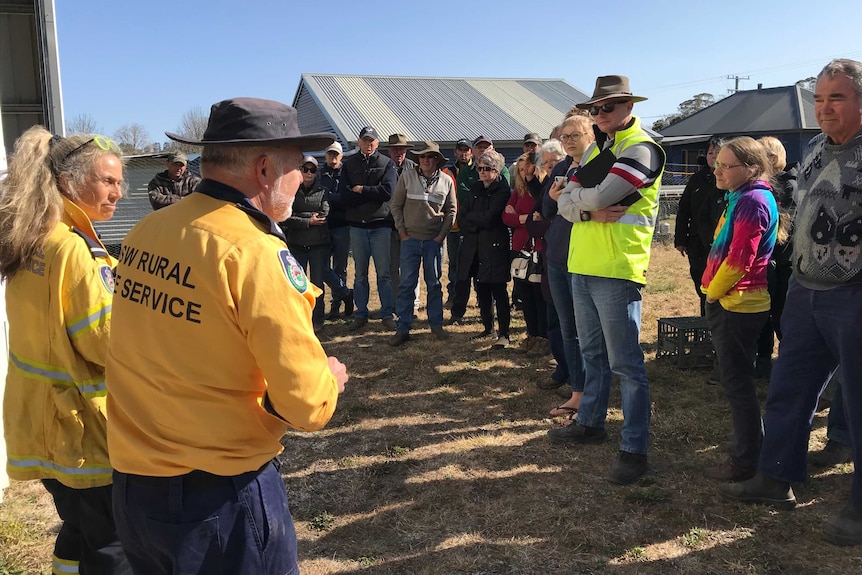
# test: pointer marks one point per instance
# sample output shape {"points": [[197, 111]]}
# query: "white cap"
{"points": [[334, 147]]}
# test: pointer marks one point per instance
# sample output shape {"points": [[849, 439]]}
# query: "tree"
{"points": [[82, 124], [684, 110], [192, 126], [132, 138]]}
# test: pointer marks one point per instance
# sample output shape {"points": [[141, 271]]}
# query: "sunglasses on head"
{"points": [[484, 168], [105, 144], [308, 169], [606, 108]]}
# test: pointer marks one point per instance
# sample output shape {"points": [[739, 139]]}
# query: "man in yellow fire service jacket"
{"points": [[213, 354]]}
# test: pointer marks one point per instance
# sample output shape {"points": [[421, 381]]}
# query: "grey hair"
{"points": [[237, 160], [850, 68], [553, 147], [492, 159]]}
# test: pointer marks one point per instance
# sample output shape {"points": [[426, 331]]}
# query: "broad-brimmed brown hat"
{"points": [[608, 87], [430, 147], [397, 140], [255, 122]]}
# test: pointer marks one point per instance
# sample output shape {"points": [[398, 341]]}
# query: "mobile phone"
{"points": [[560, 180]]}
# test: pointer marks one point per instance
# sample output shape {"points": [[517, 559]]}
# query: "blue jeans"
{"points": [[314, 261], [609, 323], [820, 336], [370, 244], [203, 523], [427, 254], [571, 369], [339, 250]]}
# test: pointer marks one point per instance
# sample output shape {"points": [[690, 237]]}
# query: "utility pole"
{"points": [[736, 83]]}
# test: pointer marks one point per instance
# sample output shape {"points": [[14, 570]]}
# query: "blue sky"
{"points": [[150, 61]]}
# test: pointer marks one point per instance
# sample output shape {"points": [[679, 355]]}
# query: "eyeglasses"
{"points": [[571, 137], [720, 166], [428, 157], [485, 169], [105, 144], [308, 169], [606, 108]]}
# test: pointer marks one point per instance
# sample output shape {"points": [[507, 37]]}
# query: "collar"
{"points": [[75, 217], [225, 193]]}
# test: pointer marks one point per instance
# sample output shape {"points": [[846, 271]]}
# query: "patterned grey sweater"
{"points": [[827, 242]]}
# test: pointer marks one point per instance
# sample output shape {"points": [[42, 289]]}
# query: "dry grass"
{"points": [[436, 462]]}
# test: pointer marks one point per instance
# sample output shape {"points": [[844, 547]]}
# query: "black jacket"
{"points": [[297, 229], [485, 236], [163, 191], [785, 186], [329, 178], [377, 176], [693, 232]]}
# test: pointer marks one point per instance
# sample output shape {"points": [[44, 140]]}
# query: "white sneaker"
{"points": [[501, 343]]}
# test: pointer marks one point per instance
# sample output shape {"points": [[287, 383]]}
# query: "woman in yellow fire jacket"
{"points": [[58, 296]]}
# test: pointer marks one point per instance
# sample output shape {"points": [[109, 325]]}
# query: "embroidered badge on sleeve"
{"points": [[107, 275], [293, 271]]}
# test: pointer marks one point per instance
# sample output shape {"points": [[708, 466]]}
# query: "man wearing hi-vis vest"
{"points": [[612, 204]]}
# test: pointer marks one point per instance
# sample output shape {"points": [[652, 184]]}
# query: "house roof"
{"points": [[770, 110], [440, 109]]}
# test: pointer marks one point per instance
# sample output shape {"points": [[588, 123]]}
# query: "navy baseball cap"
{"points": [[462, 142], [368, 132], [482, 139]]}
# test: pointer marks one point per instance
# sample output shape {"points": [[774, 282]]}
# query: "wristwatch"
{"points": [[585, 216]]}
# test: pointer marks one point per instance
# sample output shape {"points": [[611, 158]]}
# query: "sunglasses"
{"points": [[308, 169], [485, 169], [105, 144], [606, 108]]}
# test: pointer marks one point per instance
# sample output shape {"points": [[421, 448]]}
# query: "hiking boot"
{"points": [[448, 303], [549, 384], [845, 528], [484, 335], [501, 343], [541, 348], [628, 468], [728, 470], [577, 433], [763, 367], [399, 338], [456, 321], [439, 333], [526, 344], [357, 324], [832, 454], [348, 303], [760, 489], [334, 311], [389, 323]]}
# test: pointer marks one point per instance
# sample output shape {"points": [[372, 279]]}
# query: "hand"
{"points": [[555, 191], [316, 220], [339, 370], [439, 239], [522, 218], [711, 300], [682, 250], [356, 189], [509, 209], [609, 215], [403, 235], [537, 217]]}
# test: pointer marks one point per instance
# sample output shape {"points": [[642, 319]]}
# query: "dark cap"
{"points": [[309, 160], [462, 142], [255, 122], [368, 132], [178, 158], [533, 138], [482, 139]]}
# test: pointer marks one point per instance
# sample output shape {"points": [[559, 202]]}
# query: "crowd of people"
{"points": [[183, 475]]}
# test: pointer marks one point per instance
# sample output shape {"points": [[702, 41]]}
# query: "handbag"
{"points": [[527, 265]]}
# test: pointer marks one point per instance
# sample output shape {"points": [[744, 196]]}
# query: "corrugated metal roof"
{"points": [[439, 109], [767, 110]]}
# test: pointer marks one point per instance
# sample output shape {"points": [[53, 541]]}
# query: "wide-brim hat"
{"points": [[255, 122], [431, 147], [610, 87], [396, 140]]}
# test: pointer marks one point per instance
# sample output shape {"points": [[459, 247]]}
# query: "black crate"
{"points": [[685, 340]]}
